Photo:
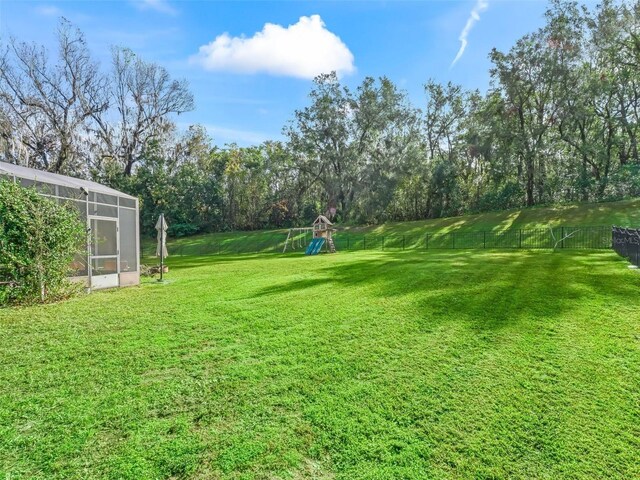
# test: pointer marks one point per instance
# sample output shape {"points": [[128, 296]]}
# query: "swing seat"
{"points": [[296, 238]]}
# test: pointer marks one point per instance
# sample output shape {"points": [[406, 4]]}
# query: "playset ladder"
{"points": [[332, 247]]}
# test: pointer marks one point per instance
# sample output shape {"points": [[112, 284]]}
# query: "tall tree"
{"points": [[385, 132], [143, 96], [526, 77], [46, 106], [446, 109], [320, 138], [354, 144]]}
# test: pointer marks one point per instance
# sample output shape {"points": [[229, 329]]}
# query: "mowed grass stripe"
{"points": [[480, 364]]}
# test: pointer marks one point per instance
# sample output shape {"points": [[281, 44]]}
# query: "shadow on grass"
{"points": [[187, 262], [491, 290]]}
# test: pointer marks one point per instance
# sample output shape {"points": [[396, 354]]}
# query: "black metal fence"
{"points": [[584, 237], [598, 237], [626, 242]]}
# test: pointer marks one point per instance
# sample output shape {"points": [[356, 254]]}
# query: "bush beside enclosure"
{"points": [[38, 240]]}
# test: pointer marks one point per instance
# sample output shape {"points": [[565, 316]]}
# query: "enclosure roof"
{"points": [[56, 179], [322, 219]]}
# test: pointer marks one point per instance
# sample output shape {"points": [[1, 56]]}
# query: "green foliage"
{"points": [[460, 365], [185, 185], [626, 179], [38, 239], [560, 123], [182, 230], [353, 146], [507, 196]]}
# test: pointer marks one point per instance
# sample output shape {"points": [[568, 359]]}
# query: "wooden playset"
{"points": [[322, 237]]}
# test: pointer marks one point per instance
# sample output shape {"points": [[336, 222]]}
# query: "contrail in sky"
{"points": [[474, 16]]}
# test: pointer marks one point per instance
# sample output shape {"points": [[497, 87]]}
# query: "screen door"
{"points": [[104, 252]]}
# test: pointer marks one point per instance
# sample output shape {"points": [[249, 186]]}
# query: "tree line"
{"points": [[559, 123]]}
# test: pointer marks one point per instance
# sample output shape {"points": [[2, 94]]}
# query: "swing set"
{"points": [[322, 237], [297, 237]]}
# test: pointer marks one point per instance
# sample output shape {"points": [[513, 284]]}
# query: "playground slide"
{"points": [[315, 246], [318, 246], [310, 247]]}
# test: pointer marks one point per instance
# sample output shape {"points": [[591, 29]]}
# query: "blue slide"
{"points": [[315, 246], [310, 247]]}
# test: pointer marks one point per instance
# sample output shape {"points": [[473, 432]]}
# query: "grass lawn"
{"points": [[374, 365]]}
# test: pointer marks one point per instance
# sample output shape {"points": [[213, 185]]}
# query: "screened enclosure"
{"points": [[112, 256]]}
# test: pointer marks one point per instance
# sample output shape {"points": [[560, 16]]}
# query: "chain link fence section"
{"points": [[626, 243]]}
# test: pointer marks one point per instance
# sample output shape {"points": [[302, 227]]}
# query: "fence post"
{"points": [[348, 242], [562, 236], [383, 243], [520, 240]]}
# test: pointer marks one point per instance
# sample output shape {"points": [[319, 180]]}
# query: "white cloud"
{"points": [[304, 49], [474, 16], [48, 11], [161, 6]]}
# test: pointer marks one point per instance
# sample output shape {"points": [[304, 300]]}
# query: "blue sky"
{"points": [[247, 88]]}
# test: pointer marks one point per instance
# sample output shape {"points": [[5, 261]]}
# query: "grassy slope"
{"points": [[624, 213], [359, 365]]}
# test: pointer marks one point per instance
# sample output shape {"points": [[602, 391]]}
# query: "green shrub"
{"points": [[182, 230], [38, 239]]}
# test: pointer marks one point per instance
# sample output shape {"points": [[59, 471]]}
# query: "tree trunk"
{"points": [[128, 168], [583, 183], [530, 180]]}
